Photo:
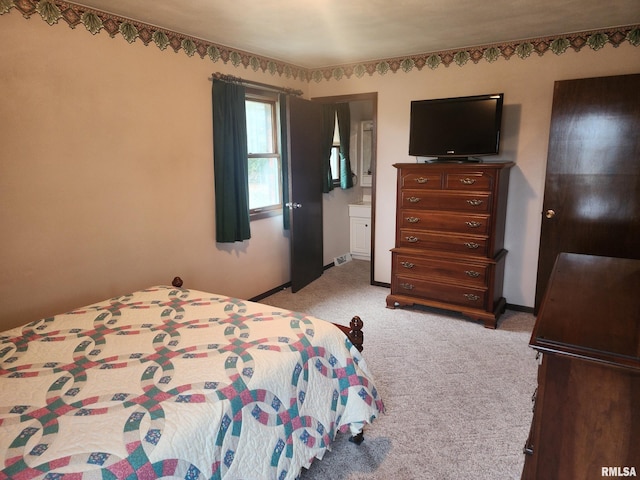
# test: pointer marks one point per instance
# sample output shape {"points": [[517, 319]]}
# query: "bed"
{"points": [[169, 382]]}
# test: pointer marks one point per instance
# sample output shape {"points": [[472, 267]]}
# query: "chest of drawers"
{"points": [[450, 222], [586, 415]]}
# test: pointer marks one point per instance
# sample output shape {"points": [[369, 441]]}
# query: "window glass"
{"points": [[335, 163], [260, 121], [264, 182]]}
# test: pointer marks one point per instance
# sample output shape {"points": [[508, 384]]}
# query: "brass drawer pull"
{"points": [[413, 199], [473, 224], [422, 180], [407, 264], [471, 245], [472, 273], [467, 181], [471, 297], [412, 239], [475, 202], [413, 219], [407, 286]]}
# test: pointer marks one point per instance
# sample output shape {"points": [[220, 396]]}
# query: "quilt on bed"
{"points": [[176, 383]]}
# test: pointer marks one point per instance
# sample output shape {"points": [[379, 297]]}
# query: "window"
{"points": [[264, 161], [335, 155], [335, 164]]}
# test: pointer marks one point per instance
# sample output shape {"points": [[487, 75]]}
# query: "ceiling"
{"points": [[320, 33]]}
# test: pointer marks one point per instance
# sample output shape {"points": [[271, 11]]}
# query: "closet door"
{"points": [[592, 187]]}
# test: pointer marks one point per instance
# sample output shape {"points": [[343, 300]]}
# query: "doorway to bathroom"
{"points": [[363, 109]]}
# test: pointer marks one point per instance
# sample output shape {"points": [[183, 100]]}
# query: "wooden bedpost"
{"points": [[356, 334], [177, 282]]}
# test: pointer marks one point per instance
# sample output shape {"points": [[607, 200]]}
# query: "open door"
{"points": [[304, 120]]}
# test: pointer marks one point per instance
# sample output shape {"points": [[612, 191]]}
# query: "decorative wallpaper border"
{"points": [[595, 40], [51, 11]]}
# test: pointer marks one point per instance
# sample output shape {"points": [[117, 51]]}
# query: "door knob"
{"points": [[550, 213], [293, 205]]}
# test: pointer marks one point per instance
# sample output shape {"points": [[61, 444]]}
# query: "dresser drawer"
{"points": [[445, 222], [471, 180], [424, 180], [479, 202], [457, 271], [465, 244], [443, 292]]}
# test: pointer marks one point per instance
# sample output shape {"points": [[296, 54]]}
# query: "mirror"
{"points": [[366, 139]]}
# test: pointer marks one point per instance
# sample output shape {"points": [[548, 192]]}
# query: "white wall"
{"points": [[528, 87], [106, 174]]}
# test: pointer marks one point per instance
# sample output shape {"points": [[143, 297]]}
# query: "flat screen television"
{"points": [[456, 129]]}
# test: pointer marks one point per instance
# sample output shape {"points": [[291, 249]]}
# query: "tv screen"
{"points": [[456, 128]]}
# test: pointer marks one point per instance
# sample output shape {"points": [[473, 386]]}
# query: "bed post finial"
{"points": [[177, 282], [356, 335]]}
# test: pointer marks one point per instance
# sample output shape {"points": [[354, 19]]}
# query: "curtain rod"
{"points": [[249, 83]]}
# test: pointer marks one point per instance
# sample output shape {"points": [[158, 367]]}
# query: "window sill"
{"points": [[265, 213]]}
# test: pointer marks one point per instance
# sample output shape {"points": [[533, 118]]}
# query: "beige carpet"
{"points": [[457, 395]]}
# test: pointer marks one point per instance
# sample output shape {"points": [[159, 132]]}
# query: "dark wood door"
{"points": [[592, 188], [305, 191]]}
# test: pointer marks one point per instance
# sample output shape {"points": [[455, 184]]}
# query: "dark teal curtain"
{"points": [[327, 128], [284, 157], [230, 162], [344, 127]]}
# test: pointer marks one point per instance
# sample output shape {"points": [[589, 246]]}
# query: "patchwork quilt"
{"points": [[176, 383]]}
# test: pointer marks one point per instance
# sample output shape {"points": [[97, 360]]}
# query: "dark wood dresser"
{"points": [[449, 254], [587, 404]]}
